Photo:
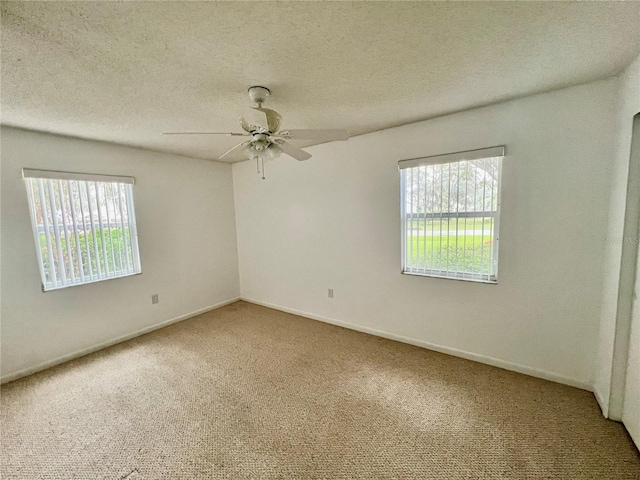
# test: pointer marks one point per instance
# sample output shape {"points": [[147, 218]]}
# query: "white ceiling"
{"points": [[127, 71]]}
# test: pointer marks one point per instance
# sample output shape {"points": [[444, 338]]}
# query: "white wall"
{"points": [[333, 222], [612, 355], [186, 230], [631, 410]]}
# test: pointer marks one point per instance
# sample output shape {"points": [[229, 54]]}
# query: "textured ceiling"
{"points": [[127, 71]]}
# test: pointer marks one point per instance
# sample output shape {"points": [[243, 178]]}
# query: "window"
{"points": [[450, 210], [84, 227]]}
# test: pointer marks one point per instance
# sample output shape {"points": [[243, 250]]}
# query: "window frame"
{"points": [[453, 158], [64, 229]]}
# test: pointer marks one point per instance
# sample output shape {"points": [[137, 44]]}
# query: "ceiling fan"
{"points": [[268, 139]]}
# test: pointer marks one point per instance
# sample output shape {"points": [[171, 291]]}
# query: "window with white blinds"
{"points": [[84, 227], [450, 210]]}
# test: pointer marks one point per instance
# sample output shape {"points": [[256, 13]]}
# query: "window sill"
{"points": [[447, 277], [88, 282]]}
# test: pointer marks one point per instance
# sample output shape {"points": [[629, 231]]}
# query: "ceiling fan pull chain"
{"points": [[258, 165], [262, 162]]}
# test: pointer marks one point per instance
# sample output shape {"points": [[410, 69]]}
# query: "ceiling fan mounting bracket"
{"points": [[258, 94]]}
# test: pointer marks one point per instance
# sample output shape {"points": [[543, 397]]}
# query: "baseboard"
{"points": [[495, 362], [85, 351]]}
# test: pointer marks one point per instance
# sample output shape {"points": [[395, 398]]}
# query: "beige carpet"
{"points": [[249, 392]]}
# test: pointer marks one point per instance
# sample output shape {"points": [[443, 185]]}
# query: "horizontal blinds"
{"points": [[86, 177], [450, 214], [84, 231], [490, 152]]}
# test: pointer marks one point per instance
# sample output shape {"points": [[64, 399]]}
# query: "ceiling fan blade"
{"points": [[206, 133], [273, 118], [249, 127], [293, 151], [323, 136], [237, 147]]}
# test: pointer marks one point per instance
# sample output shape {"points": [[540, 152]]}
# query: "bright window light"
{"points": [[450, 210], [84, 227]]}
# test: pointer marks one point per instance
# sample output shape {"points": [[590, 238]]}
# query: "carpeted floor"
{"points": [[249, 392]]}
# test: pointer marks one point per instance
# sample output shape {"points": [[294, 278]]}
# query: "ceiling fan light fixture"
{"points": [[273, 151]]}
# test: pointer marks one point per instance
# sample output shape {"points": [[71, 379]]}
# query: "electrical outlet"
{"points": [[154, 298], [330, 291]]}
